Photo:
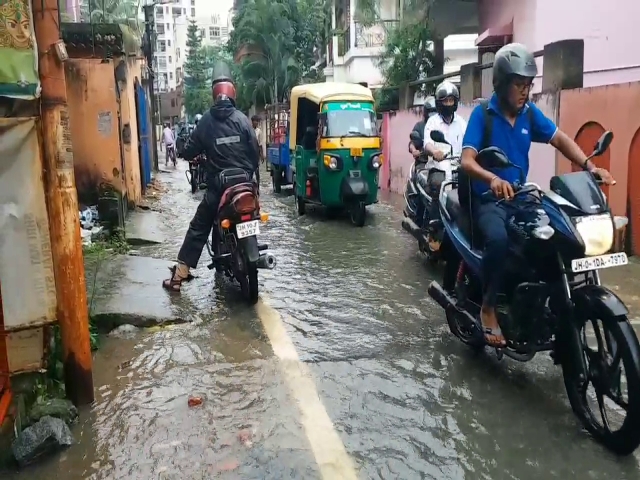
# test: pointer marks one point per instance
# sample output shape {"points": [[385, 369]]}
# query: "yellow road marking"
{"points": [[329, 452]]}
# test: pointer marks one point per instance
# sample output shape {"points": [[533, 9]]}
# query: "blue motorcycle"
{"points": [[552, 298]]}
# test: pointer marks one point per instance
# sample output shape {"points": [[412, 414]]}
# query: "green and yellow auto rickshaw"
{"points": [[335, 144]]}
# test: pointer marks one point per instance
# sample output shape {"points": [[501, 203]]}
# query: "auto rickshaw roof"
{"points": [[331, 91]]}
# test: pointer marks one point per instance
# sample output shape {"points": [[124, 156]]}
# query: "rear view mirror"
{"points": [[438, 136], [493, 157], [603, 144]]}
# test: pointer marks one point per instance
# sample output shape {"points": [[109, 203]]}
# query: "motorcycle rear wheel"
{"points": [[605, 375], [249, 284]]}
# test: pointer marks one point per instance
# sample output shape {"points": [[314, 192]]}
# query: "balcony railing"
{"points": [[374, 35]]}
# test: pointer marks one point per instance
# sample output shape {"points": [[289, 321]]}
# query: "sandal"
{"points": [[174, 284], [493, 337]]}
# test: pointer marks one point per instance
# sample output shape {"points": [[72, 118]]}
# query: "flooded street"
{"points": [[344, 369]]}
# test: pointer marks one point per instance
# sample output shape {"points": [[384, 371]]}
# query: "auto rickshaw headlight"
{"points": [[330, 162], [376, 161]]}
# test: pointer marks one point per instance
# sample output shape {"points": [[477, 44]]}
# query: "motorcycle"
{"points": [[418, 202], [238, 254], [552, 292], [196, 174]]}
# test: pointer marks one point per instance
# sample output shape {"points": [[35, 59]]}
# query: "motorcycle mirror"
{"points": [[438, 136], [493, 157], [603, 144]]}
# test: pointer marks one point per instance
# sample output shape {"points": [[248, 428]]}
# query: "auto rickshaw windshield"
{"points": [[352, 123]]}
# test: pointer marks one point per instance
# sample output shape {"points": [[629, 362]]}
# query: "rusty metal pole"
{"points": [[62, 207]]}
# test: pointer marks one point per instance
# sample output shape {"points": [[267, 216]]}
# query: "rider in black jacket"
{"points": [[227, 138]]}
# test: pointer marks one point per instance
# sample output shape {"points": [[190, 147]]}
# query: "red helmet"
{"points": [[224, 88]]}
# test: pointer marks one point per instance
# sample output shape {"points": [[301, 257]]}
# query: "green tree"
{"points": [[285, 39], [110, 11], [197, 94]]}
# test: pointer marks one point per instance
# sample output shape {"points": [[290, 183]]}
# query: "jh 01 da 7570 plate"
{"points": [[601, 261], [248, 229]]}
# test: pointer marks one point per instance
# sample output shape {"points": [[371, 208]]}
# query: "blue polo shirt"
{"points": [[514, 140]]}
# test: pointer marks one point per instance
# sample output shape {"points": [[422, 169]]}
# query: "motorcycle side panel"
{"points": [[473, 258]]}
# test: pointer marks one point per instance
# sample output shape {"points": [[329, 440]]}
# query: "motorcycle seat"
{"points": [[233, 190], [458, 213]]}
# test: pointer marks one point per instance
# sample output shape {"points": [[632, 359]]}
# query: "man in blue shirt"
{"points": [[516, 123]]}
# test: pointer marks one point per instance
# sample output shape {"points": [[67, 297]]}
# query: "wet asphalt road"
{"points": [[406, 399]]}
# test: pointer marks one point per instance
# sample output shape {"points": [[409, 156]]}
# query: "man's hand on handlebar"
{"points": [[603, 176], [439, 155], [501, 188]]}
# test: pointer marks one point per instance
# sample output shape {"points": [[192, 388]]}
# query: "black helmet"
{"points": [[511, 60], [429, 107], [444, 90]]}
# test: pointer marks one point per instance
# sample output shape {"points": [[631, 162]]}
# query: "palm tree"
{"points": [[270, 68]]}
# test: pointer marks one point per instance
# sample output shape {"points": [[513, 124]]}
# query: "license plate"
{"points": [[356, 152], [354, 173], [601, 261], [248, 229]]}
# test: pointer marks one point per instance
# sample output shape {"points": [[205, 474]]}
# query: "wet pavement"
{"points": [[345, 369]]}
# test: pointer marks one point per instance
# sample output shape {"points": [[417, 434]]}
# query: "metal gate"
{"points": [[144, 135]]}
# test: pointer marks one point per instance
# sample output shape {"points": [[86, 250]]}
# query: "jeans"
{"points": [[491, 220]]}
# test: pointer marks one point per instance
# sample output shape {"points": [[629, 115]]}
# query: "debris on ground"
{"points": [[245, 436], [125, 330], [228, 465], [195, 401], [89, 217], [47, 436], [57, 408]]}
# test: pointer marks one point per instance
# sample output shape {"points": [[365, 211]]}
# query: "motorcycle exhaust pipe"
{"points": [[441, 297], [411, 227], [267, 261]]}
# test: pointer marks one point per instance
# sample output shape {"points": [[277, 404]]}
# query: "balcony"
{"points": [[373, 36]]}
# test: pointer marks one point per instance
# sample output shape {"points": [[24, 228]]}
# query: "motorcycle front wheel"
{"points": [[609, 346]]}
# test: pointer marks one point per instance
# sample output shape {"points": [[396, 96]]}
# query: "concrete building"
{"points": [[354, 55], [608, 30]]}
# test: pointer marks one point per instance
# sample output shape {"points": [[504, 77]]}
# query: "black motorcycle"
{"points": [[559, 239], [196, 174], [237, 253], [418, 203]]}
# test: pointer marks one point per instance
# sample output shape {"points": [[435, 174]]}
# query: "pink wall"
{"points": [[608, 30], [542, 158]]}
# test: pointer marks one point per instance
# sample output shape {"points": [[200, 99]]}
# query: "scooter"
{"points": [[418, 202]]}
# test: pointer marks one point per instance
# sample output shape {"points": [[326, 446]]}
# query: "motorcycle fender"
{"points": [[596, 301], [249, 245], [354, 187]]}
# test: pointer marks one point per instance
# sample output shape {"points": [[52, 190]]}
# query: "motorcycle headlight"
{"points": [[597, 233]]}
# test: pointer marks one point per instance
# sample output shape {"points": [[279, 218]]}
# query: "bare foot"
{"points": [[491, 329]]}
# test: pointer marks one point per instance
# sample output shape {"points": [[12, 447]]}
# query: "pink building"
{"points": [[608, 30]]}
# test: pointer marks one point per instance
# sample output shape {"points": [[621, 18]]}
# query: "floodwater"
{"points": [[404, 399]]}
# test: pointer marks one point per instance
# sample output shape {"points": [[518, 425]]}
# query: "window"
{"points": [[159, 11], [214, 32], [184, 10], [177, 53], [160, 29], [193, 12], [173, 103], [202, 33], [215, 19], [168, 43], [193, 3], [162, 63], [170, 75], [162, 46], [169, 58], [350, 123]]}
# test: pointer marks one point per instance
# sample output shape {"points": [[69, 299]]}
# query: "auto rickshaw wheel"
{"points": [[357, 213], [276, 180], [300, 206]]}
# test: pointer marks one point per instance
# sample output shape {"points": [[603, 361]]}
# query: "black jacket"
{"points": [[227, 138]]}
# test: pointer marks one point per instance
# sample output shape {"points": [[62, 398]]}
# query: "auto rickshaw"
{"points": [[336, 148]]}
